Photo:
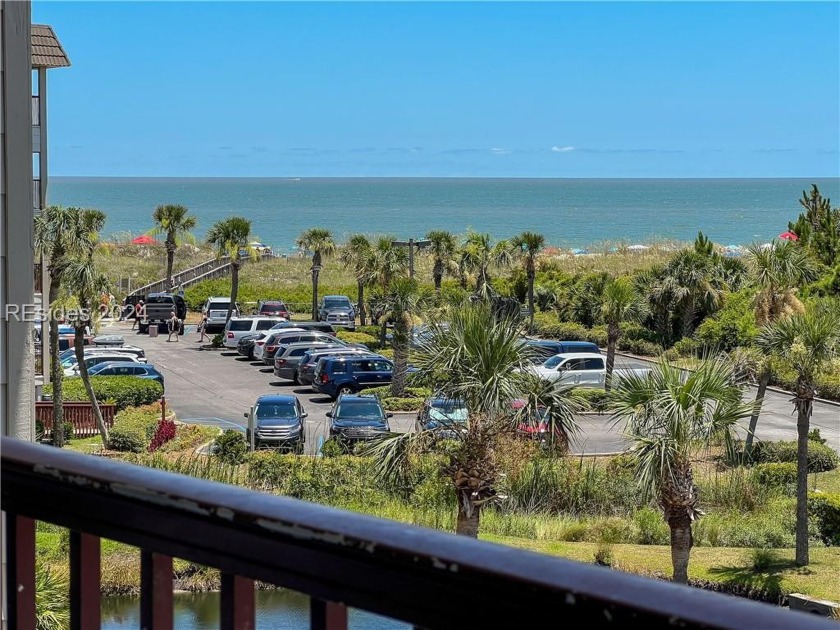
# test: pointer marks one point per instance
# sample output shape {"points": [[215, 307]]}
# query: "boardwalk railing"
{"points": [[79, 414], [340, 559], [214, 268]]}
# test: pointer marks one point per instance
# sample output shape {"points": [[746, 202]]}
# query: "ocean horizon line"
{"points": [[423, 177]]}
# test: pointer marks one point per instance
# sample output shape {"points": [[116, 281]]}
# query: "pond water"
{"points": [[281, 609]]}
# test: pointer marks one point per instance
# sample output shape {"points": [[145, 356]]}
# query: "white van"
{"points": [[217, 309], [238, 327]]}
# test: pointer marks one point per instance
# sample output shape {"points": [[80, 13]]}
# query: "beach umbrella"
{"points": [[144, 239], [637, 248], [789, 236]]}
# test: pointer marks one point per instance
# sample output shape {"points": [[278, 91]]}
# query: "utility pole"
{"points": [[411, 244]]}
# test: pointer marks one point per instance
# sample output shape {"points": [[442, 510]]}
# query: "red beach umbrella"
{"points": [[789, 236], [144, 240]]}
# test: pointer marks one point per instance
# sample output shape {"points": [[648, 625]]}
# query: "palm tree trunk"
{"points": [[688, 319], [468, 522], [362, 312], [804, 403], [56, 373], [531, 275], [681, 543], [613, 333], [170, 260], [234, 287], [79, 345], [316, 263], [438, 275], [763, 381], [400, 358]]}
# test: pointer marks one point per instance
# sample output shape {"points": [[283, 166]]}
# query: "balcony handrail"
{"points": [[421, 576]]}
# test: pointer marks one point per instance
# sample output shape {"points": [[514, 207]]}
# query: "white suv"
{"points": [[216, 309], [237, 327]]}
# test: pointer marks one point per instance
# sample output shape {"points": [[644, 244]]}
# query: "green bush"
{"points": [[230, 447], [820, 457], [123, 391], [335, 447], [217, 341], [651, 527], [637, 332], [597, 335], [69, 432], [686, 347], [639, 347], [402, 404], [127, 439], [547, 325], [731, 326], [134, 428], [358, 337], [592, 399], [776, 474], [384, 391], [824, 507], [373, 331]]}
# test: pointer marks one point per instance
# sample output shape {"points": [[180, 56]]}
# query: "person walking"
{"points": [[138, 313], [174, 326], [202, 325]]}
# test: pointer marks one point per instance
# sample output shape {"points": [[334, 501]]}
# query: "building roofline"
{"points": [[47, 51]]}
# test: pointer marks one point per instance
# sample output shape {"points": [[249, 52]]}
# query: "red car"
{"points": [[537, 427], [273, 308]]}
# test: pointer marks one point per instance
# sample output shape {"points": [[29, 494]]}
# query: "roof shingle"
{"points": [[47, 51]]}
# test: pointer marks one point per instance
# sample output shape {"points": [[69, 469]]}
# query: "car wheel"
{"points": [[346, 390], [295, 378]]}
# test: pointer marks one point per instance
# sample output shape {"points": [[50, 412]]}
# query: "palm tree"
{"points": [[388, 262], [479, 254], [476, 358], [805, 342], [402, 301], [85, 283], [177, 223], [320, 242], [528, 245], [230, 237], [668, 416], [778, 270], [443, 248], [59, 239], [694, 285], [357, 255], [621, 303]]}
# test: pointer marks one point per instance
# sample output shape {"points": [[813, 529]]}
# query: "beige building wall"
{"points": [[16, 226]]}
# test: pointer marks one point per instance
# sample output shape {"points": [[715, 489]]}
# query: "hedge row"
{"points": [[134, 429], [820, 457], [123, 391], [824, 507]]}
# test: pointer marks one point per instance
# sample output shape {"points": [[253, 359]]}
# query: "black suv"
{"points": [[347, 375], [358, 418]]}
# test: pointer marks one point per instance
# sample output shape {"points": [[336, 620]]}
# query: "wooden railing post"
{"points": [[327, 615], [156, 611], [238, 606], [20, 571], [85, 556]]}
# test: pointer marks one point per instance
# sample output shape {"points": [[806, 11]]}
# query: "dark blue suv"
{"points": [[358, 418], [339, 376]]}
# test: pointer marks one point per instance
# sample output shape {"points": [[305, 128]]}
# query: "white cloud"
{"points": [[556, 149], [499, 151]]}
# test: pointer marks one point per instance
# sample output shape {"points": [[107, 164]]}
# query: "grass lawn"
{"points": [[715, 564]]}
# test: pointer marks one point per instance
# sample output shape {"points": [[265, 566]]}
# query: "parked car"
{"points": [[306, 366], [158, 308], [237, 327], [338, 310], [348, 375], [536, 425], [217, 309], [582, 370], [132, 350], [323, 327], [543, 349], [127, 368], [445, 416], [268, 348], [70, 366], [245, 346], [357, 418], [287, 358], [278, 422], [273, 308]]}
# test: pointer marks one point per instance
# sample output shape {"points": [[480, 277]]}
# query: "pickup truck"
{"points": [[158, 308], [584, 369]]}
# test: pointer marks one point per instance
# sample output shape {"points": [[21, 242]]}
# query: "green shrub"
{"points": [[732, 325], [189, 437], [824, 507], [128, 439], [775, 474], [373, 331], [686, 347], [69, 432], [217, 341], [123, 391], [230, 447], [820, 457], [334, 447], [402, 404], [547, 325], [651, 527], [636, 332], [370, 341], [762, 558], [592, 399], [639, 347], [134, 428], [597, 335], [410, 392]]}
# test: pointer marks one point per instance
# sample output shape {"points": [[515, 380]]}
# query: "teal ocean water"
{"points": [[569, 212]]}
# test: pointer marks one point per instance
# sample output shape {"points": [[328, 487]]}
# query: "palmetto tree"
{"points": [[357, 255], [59, 237], [177, 223], [320, 242], [527, 246], [443, 249], [479, 254], [389, 262], [478, 359], [805, 342], [777, 270], [694, 283], [402, 302], [621, 303], [230, 237], [668, 416]]}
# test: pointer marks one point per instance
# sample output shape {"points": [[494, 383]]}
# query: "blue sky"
{"points": [[543, 89]]}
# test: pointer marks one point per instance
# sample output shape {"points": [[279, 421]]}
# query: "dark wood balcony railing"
{"points": [[424, 577]]}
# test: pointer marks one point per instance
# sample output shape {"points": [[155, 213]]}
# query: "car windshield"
{"points": [[553, 362], [448, 410], [336, 302], [68, 362], [160, 299], [240, 325], [276, 410], [351, 410], [218, 306]]}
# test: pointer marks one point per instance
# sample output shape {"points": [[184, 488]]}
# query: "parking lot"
{"points": [[217, 387]]}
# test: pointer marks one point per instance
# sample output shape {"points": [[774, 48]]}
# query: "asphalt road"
{"points": [[218, 387]]}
